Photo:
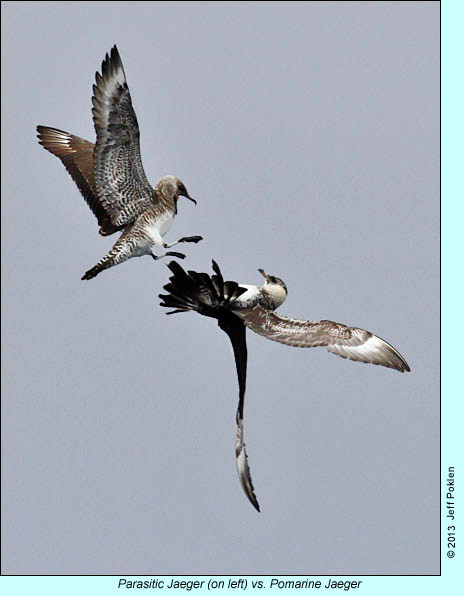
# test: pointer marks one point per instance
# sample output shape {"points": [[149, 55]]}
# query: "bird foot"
{"points": [[179, 255], [191, 239]]}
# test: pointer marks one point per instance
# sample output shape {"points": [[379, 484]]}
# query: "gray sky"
{"points": [[309, 133]]}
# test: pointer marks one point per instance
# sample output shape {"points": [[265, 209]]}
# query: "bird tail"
{"points": [[99, 267], [190, 290]]}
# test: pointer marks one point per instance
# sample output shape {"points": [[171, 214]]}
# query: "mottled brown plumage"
{"points": [[110, 174], [348, 342], [77, 156]]}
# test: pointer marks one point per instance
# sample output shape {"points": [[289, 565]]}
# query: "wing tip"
{"points": [[256, 506], [243, 469], [216, 269], [110, 66], [403, 367], [397, 361]]}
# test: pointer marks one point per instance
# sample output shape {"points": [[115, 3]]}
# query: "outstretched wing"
{"points": [[76, 154], [211, 296], [347, 342], [236, 331], [121, 183]]}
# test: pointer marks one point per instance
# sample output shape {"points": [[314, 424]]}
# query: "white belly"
{"points": [[158, 227], [165, 223]]}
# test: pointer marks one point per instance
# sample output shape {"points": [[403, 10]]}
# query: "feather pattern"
{"points": [[76, 154], [122, 185], [110, 174], [348, 342]]}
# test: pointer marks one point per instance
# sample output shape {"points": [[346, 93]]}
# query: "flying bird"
{"points": [[238, 306], [110, 174]]}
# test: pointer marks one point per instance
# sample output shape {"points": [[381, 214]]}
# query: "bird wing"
{"points": [[236, 331], [76, 154], [347, 342], [211, 296], [121, 183]]}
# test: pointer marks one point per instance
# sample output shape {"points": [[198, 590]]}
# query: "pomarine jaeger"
{"points": [[238, 306]]}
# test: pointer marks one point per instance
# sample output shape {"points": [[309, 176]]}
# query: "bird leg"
{"points": [[184, 239], [179, 255]]}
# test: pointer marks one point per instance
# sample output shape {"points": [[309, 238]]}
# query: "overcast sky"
{"points": [[309, 134]]}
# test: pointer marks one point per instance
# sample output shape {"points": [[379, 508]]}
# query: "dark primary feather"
{"points": [[236, 331], [212, 297], [198, 291]]}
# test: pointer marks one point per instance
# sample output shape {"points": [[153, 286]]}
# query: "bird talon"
{"points": [[191, 239], [179, 255]]}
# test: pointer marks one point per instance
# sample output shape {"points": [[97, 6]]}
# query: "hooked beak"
{"points": [[187, 196], [264, 274]]}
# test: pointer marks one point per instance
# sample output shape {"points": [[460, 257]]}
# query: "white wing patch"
{"points": [[373, 351]]}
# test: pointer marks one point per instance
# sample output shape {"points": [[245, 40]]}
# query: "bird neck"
{"points": [[166, 203]]}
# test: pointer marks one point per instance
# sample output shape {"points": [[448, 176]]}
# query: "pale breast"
{"points": [[276, 293], [165, 222], [155, 227]]}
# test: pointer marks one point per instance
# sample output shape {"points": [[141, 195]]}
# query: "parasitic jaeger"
{"points": [[238, 306], [110, 174]]}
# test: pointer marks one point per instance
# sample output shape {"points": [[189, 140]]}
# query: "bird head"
{"points": [[271, 279], [173, 188]]}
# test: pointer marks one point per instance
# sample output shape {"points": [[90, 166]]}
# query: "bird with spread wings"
{"points": [[238, 306], [110, 174]]}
